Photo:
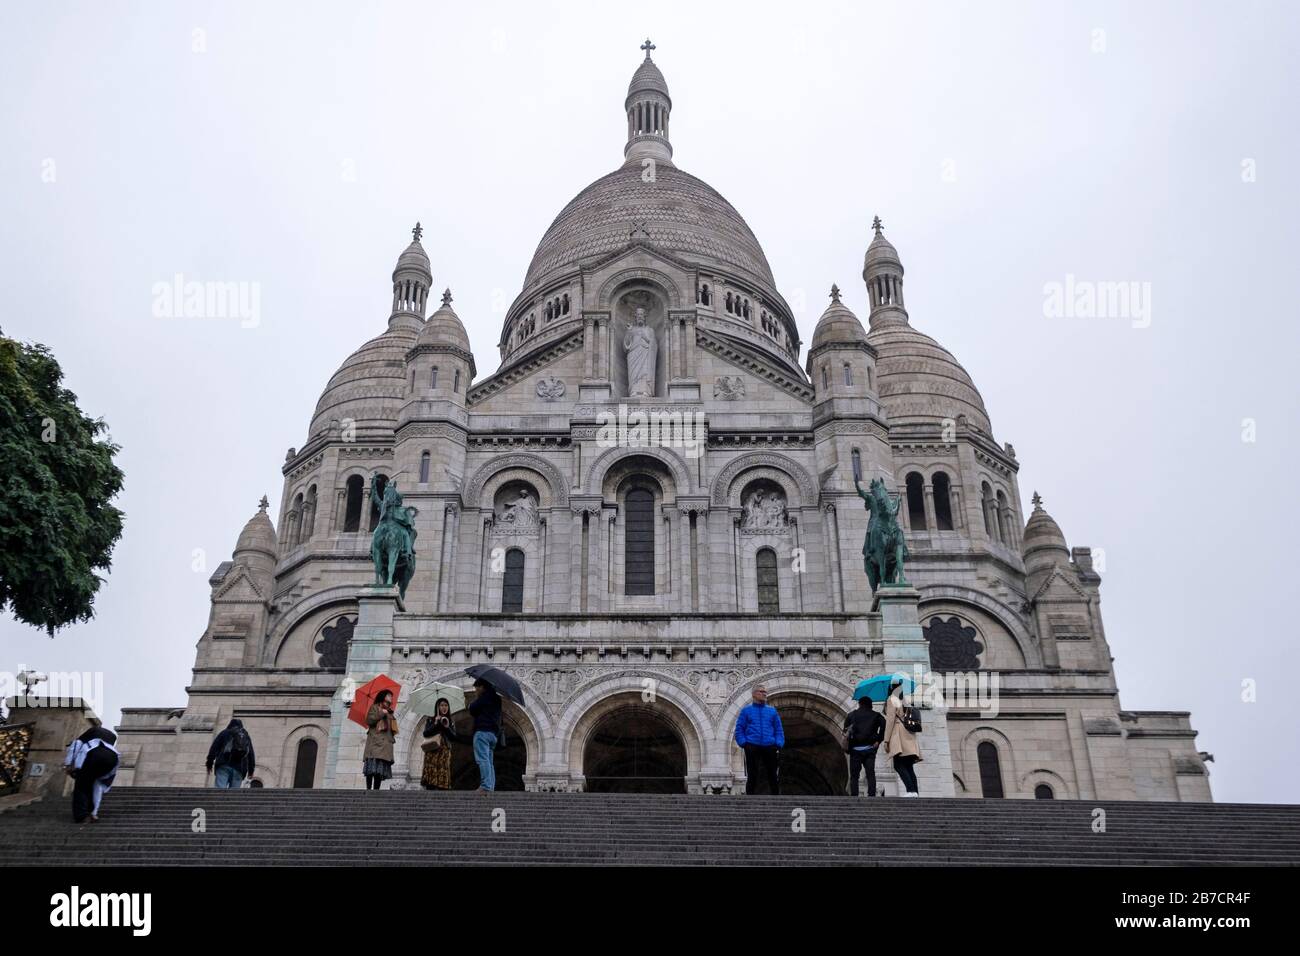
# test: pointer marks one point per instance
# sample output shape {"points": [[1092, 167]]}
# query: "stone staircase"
{"points": [[154, 826]]}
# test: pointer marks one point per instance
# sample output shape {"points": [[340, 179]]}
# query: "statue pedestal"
{"points": [[908, 652], [369, 655], [54, 723]]}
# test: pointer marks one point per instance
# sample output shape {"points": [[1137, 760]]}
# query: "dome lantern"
{"points": [[882, 271], [648, 106], [411, 281]]}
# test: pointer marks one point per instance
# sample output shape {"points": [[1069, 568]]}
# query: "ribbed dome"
{"points": [[370, 386], [414, 258], [838, 325], [920, 382], [681, 215], [444, 327], [1043, 541], [258, 534], [647, 78], [881, 250]]}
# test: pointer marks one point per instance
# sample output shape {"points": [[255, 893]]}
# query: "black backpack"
{"points": [[911, 718], [236, 748]]}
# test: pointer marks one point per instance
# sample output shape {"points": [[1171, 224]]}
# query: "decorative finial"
{"points": [[446, 298], [877, 225], [417, 232], [1037, 500], [263, 504], [647, 46], [835, 293]]}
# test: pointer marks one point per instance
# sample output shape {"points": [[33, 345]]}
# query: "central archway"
{"points": [[510, 761], [812, 762], [634, 748]]}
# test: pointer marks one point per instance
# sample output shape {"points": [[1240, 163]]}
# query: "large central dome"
{"points": [[675, 212]]}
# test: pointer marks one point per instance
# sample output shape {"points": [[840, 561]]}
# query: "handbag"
{"points": [[433, 744]]}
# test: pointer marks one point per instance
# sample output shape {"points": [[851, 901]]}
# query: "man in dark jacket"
{"points": [[232, 757], [759, 733], [865, 729], [486, 711]]}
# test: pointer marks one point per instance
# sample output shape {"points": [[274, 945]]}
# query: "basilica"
{"points": [[648, 509]]}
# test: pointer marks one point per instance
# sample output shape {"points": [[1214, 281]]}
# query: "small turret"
{"points": [[412, 279], [882, 271], [648, 106]]}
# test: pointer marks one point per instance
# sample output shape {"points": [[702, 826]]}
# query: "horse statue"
{"points": [[884, 549], [392, 546]]}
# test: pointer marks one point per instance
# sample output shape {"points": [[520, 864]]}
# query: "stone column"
{"points": [[907, 651], [931, 519], [369, 655]]}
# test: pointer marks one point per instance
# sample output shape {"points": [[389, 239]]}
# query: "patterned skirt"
{"points": [[374, 767], [437, 769]]}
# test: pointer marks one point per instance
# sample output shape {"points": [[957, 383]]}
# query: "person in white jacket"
{"points": [[91, 760]]}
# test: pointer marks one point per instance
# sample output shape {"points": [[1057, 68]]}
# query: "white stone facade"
{"points": [[747, 520]]}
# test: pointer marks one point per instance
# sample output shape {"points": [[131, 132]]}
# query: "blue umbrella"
{"points": [[877, 688]]}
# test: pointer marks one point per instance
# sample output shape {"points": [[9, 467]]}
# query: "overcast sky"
{"points": [[1005, 146]]}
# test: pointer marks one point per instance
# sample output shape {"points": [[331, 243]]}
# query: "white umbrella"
{"points": [[424, 699]]}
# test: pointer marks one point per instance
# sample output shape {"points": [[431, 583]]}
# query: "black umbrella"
{"points": [[499, 679]]}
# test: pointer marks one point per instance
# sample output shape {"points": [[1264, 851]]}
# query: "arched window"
{"points": [[639, 543], [304, 768], [990, 518], [295, 523], [356, 488], [848, 374], [942, 502], [728, 301], [826, 378], [708, 300], [308, 515], [412, 379], [565, 304], [512, 588], [871, 379], [769, 591], [455, 382], [381, 482], [1043, 792], [916, 501], [424, 468], [990, 770], [1004, 519], [433, 377]]}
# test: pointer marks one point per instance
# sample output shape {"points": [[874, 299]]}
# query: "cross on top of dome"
{"points": [[446, 298], [835, 293], [263, 504], [417, 232], [647, 46], [877, 225]]}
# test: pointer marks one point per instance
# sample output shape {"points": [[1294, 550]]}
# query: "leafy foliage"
{"points": [[57, 482]]}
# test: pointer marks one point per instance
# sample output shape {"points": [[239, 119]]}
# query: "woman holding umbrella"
{"points": [[900, 740], [381, 732], [439, 734]]}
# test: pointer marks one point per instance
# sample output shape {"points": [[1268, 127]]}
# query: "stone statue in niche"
{"points": [[640, 348], [520, 514], [764, 510]]}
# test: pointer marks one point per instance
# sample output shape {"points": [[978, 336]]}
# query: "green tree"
{"points": [[57, 482]]}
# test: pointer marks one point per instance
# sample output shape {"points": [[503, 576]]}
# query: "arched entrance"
{"points": [[634, 748], [812, 761], [510, 761]]}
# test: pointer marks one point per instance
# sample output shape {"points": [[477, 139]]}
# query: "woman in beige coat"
{"points": [[381, 732], [900, 743]]}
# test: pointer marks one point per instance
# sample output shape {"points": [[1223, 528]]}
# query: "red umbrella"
{"points": [[366, 694]]}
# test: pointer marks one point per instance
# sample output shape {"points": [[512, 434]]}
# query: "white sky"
{"points": [[298, 149]]}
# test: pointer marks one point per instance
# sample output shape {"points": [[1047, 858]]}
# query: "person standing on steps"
{"points": [[91, 761], [381, 733], [759, 733], [231, 756], [439, 732], [864, 729], [902, 724], [486, 711]]}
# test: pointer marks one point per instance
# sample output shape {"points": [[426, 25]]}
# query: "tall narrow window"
{"points": [[990, 515], [942, 502], [381, 482], [304, 769], [990, 770], [639, 543], [433, 377], [424, 468], [916, 501], [1004, 518], [826, 379], [848, 374], [769, 591], [352, 512], [455, 384], [857, 465], [512, 588]]}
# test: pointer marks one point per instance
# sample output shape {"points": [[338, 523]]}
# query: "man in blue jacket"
{"points": [[760, 735]]}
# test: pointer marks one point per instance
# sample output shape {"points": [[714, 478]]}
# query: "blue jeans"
{"points": [[228, 777], [484, 744]]}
